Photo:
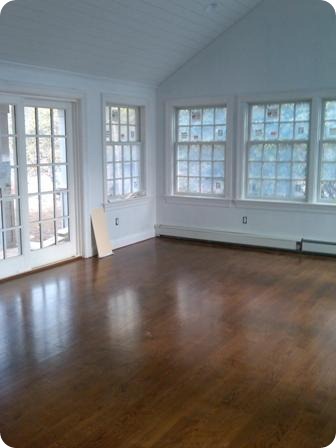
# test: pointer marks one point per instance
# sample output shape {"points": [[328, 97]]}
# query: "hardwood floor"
{"points": [[171, 344]]}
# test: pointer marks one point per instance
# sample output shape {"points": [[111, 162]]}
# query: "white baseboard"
{"points": [[133, 239], [223, 236]]}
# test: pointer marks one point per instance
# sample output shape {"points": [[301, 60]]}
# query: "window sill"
{"points": [[302, 207], [131, 202], [306, 207], [199, 200]]}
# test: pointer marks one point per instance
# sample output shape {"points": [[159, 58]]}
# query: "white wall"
{"points": [[281, 46], [137, 219]]}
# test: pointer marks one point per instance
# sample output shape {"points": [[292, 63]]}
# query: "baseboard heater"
{"points": [[318, 247], [216, 235], [223, 236]]}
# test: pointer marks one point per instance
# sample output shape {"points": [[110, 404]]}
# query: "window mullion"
{"points": [[313, 174]]}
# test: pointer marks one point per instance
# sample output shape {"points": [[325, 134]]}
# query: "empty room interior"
{"points": [[167, 223]]}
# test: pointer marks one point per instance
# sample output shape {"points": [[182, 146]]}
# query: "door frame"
{"points": [[20, 99]]}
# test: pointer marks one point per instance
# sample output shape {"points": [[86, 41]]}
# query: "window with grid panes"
{"points": [[328, 155], [47, 174], [123, 152], [277, 151], [10, 219], [200, 150]]}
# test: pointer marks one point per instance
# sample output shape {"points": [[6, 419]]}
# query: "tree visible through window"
{"points": [[200, 151], [123, 152], [47, 176], [10, 219], [328, 157], [277, 151]]}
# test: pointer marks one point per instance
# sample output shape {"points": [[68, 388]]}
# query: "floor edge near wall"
{"points": [[41, 269], [240, 239]]}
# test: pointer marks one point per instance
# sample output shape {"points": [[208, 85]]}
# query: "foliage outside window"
{"points": [[278, 150], [123, 152], [200, 151], [328, 153], [10, 219], [48, 176]]}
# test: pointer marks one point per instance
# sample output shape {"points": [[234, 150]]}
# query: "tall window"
{"points": [[200, 151], [277, 151], [10, 220], [328, 157], [123, 152]]}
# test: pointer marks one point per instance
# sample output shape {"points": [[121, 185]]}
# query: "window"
{"points": [[328, 153], [200, 151], [10, 219], [123, 152], [277, 151]]}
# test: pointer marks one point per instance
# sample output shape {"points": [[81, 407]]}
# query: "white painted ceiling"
{"points": [[136, 40]]}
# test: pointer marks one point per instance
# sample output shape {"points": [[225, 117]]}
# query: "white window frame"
{"points": [[313, 178], [170, 140], [144, 107], [277, 142], [323, 100]]}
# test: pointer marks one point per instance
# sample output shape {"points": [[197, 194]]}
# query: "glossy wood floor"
{"points": [[171, 344]]}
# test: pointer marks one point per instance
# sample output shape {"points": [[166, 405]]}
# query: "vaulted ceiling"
{"points": [[136, 40]]}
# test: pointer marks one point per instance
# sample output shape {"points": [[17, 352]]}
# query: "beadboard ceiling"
{"points": [[135, 40]]}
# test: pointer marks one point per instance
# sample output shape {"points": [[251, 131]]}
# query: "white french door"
{"points": [[50, 180], [37, 194]]}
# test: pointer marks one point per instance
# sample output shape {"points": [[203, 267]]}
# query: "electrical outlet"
{"points": [[117, 221], [244, 219]]}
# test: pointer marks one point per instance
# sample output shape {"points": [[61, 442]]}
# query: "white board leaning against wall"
{"points": [[100, 229]]}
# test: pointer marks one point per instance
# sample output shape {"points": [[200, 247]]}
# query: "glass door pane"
{"points": [[47, 176], [10, 218]]}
